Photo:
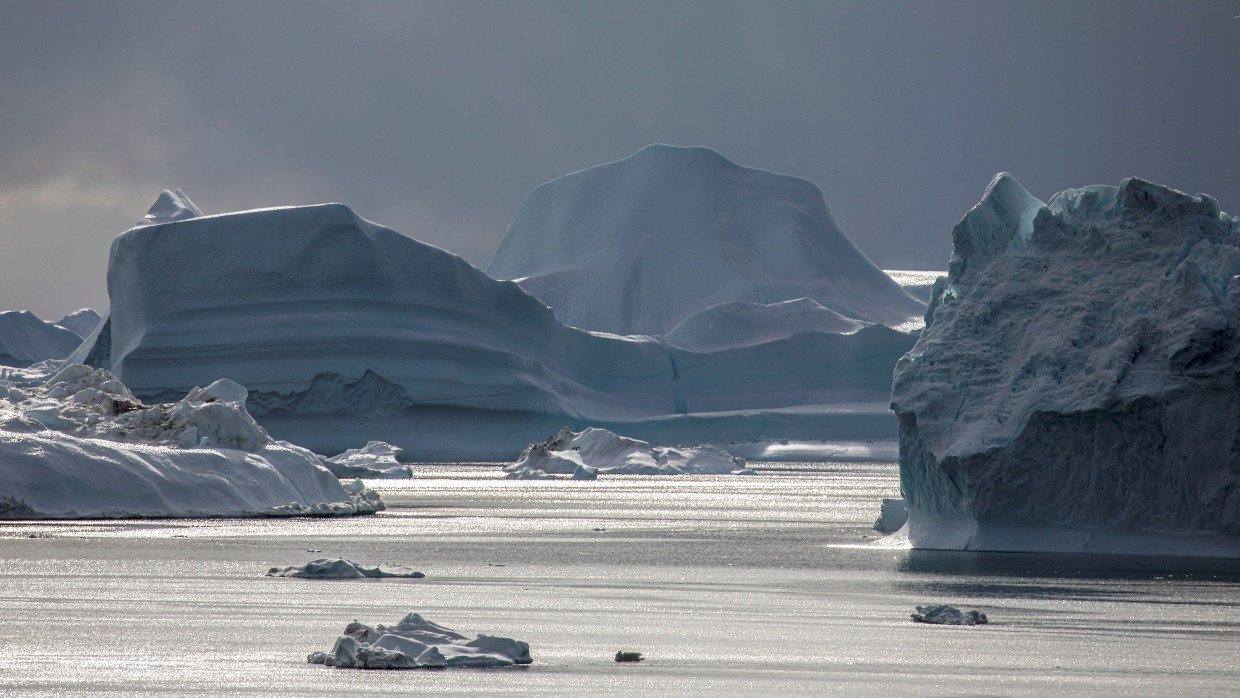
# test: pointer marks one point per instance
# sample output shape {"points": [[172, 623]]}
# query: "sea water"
{"points": [[761, 585]]}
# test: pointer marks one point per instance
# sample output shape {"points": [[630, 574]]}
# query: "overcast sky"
{"points": [[436, 118]]}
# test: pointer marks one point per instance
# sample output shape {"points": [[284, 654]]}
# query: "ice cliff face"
{"points": [[639, 245], [1077, 386], [347, 332]]}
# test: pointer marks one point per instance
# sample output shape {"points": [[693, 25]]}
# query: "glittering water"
{"points": [[728, 585]]}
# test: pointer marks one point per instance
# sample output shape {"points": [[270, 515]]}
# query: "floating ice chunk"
{"points": [[416, 643], [948, 615], [376, 459], [595, 451], [340, 568]]}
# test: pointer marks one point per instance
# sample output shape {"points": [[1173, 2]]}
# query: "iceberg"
{"points": [[598, 451], [639, 245], [416, 643], [80, 445], [1075, 388], [376, 459], [80, 322], [26, 340], [341, 568], [346, 331]]}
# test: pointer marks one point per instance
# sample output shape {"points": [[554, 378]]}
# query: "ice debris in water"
{"points": [[948, 615], [416, 643], [583, 455], [325, 568]]}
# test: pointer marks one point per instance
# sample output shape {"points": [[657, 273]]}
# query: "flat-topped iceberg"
{"points": [[1076, 385], [345, 332], [598, 451], [340, 568], [416, 643], [80, 445]]}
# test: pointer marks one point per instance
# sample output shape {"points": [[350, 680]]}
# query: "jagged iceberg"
{"points": [[639, 245], [347, 331], [416, 643], [1076, 387], [80, 445], [340, 568], [593, 451], [26, 340]]}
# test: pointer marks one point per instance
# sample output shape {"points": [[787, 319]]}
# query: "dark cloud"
{"points": [[436, 118]]}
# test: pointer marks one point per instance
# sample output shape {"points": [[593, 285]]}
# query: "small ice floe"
{"points": [[584, 455], [948, 615], [416, 643], [376, 459], [341, 568], [892, 516]]}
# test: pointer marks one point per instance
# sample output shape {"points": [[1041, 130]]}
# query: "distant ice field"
{"points": [[727, 584]]}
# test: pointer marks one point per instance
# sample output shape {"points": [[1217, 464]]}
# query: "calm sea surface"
{"points": [[754, 585]]}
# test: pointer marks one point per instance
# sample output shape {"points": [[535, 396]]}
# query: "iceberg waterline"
{"points": [[346, 331], [1076, 385]]}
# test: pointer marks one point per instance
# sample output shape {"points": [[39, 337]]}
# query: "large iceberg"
{"points": [[26, 340], [80, 445], [1077, 384], [346, 331], [640, 245]]}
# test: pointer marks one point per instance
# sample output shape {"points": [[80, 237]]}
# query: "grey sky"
{"points": [[436, 118]]}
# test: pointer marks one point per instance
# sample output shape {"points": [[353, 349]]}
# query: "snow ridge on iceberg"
{"points": [[638, 245], [1076, 386]]}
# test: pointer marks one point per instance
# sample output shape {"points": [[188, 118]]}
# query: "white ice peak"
{"points": [[172, 205]]}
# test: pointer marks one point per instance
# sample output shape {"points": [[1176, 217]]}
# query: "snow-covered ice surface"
{"points": [[374, 460], [582, 455], [1076, 387], [26, 340], [639, 245], [80, 445], [346, 332], [340, 568], [726, 585], [416, 643]]}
